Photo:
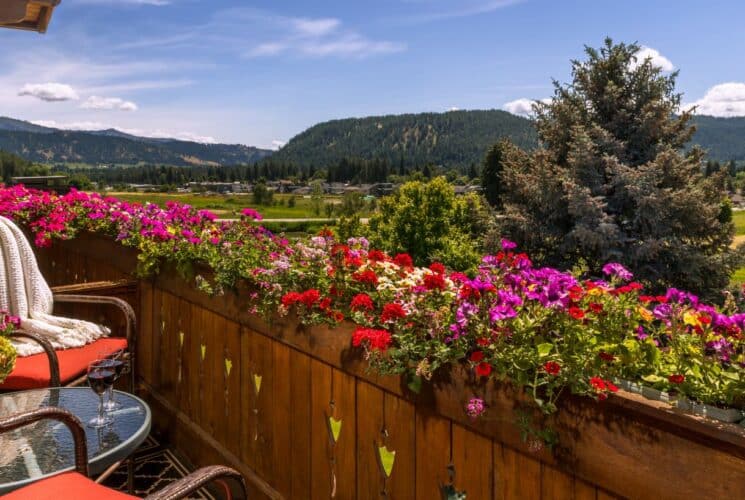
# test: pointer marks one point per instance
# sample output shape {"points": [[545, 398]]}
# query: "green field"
{"points": [[227, 206]]}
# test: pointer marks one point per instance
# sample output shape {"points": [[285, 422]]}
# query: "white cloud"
{"points": [[50, 92], [96, 102], [437, 10], [522, 106], [315, 27], [658, 59], [454, 109], [276, 144], [725, 99], [313, 37]]}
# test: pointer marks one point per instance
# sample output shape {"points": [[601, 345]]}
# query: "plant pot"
{"points": [[710, 411], [657, 395], [628, 385]]}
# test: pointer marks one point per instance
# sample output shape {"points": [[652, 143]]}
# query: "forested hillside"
{"points": [[723, 138], [48, 145], [15, 166], [456, 138]]}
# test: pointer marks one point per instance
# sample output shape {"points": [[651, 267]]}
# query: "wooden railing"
{"points": [[298, 413]]}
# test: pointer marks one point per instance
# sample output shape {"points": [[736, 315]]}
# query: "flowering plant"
{"points": [[544, 331], [8, 325]]}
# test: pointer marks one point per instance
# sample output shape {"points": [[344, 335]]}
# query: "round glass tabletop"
{"points": [[46, 447]]}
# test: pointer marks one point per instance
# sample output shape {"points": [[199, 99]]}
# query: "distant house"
{"points": [[56, 183], [737, 200], [32, 15]]}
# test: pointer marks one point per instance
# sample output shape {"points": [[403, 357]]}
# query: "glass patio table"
{"points": [[46, 447]]}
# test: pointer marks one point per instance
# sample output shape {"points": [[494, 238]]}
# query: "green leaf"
{"points": [[415, 383], [544, 349]]}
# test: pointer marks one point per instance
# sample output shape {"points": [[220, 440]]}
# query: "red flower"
{"points": [[598, 384], [326, 232], [611, 386], [483, 369], [338, 316], [595, 307], [325, 304], [434, 282], [575, 292], [437, 268], [676, 379], [646, 298], [552, 368], [476, 356], [351, 261], [376, 256], [290, 298], [368, 277], [377, 340], [392, 312], [403, 260], [310, 297], [362, 301], [606, 356], [576, 313], [482, 341]]}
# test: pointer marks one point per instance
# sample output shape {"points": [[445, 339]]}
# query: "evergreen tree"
{"points": [[491, 173], [611, 182]]}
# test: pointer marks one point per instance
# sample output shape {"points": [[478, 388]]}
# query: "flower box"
{"points": [[657, 395], [704, 410], [629, 386]]}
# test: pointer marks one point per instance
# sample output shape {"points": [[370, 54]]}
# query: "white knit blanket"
{"points": [[25, 293]]}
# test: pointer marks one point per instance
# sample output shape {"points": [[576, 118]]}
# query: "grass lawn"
{"points": [[230, 205]]}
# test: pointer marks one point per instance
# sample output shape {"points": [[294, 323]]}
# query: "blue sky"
{"points": [[258, 72]]}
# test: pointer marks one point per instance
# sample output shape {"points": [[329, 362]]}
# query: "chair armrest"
{"points": [[54, 376], [97, 287], [71, 421], [121, 304], [191, 483]]}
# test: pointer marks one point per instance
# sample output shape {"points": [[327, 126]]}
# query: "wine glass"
{"points": [[100, 377], [116, 363]]}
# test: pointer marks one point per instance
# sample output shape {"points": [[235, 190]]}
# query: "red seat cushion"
{"points": [[67, 485], [32, 372]]}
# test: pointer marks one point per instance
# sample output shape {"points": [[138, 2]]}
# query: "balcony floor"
{"points": [[156, 466]]}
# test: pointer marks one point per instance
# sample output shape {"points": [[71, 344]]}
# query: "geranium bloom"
{"points": [[676, 379], [576, 313], [377, 340], [362, 301], [403, 260], [310, 297], [476, 356], [290, 298], [552, 368], [483, 369], [392, 312], [606, 356], [368, 277]]}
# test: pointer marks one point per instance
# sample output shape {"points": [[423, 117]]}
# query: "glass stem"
{"points": [[111, 394], [100, 408]]}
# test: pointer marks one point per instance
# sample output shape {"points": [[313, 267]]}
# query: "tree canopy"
{"points": [[612, 182]]}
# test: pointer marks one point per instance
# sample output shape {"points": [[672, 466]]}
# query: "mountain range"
{"points": [[113, 147], [454, 138]]}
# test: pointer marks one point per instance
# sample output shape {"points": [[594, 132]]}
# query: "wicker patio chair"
{"points": [[77, 485], [67, 367]]}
